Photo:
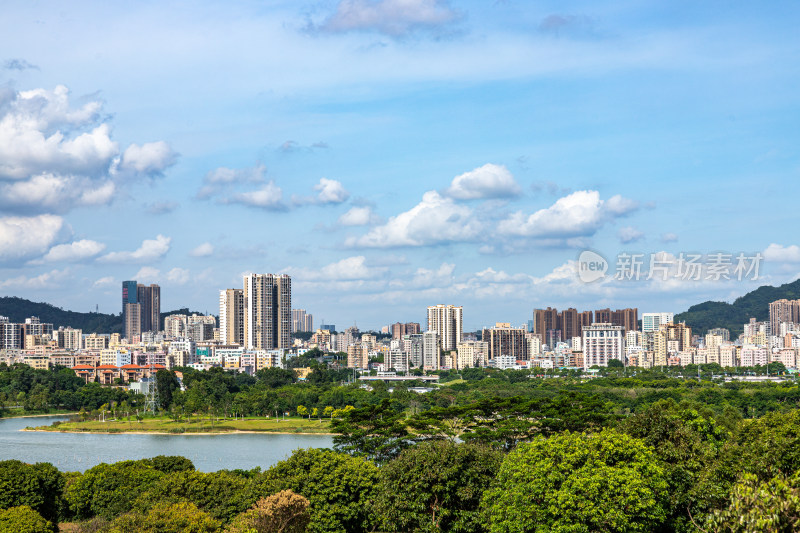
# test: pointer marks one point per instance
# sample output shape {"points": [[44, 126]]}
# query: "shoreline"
{"points": [[198, 434], [37, 416]]}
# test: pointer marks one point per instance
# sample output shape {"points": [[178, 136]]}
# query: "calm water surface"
{"points": [[77, 452]]}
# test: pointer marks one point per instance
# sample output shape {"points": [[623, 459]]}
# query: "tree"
{"points": [[167, 383], [338, 487], [275, 377], [284, 512], [37, 486], [23, 519], [222, 495], [165, 517], [579, 483], [302, 410], [436, 486], [772, 506], [377, 432], [615, 363], [108, 490]]}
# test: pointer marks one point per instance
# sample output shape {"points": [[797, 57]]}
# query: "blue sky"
{"points": [[394, 154]]}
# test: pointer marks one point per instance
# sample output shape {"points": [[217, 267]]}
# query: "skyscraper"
{"points": [[231, 316], [267, 311], [145, 302], [447, 321]]}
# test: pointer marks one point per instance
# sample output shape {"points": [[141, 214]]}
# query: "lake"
{"points": [[80, 451]]}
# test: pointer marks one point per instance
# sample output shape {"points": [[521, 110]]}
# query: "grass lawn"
{"points": [[197, 424]]}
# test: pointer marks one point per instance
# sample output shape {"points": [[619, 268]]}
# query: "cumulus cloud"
{"points": [[435, 220], [669, 237], [47, 280], [55, 156], [629, 234], [148, 275], [178, 276], [358, 216], [150, 250], [204, 250], [331, 191], [150, 159], [223, 179], [74, 251], [782, 254], [347, 269], [107, 281], [579, 214], [488, 181], [269, 197], [27, 237], [395, 18]]}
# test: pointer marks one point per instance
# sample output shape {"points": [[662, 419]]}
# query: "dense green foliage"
{"points": [[575, 482], [339, 488], [38, 486], [23, 519], [436, 486]]}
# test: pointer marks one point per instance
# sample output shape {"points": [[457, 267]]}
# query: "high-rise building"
{"points": [[302, 321], [627, 318], [602, 316], [670, 339], [601, 343], [431, 358], [409, 328], [502, 339], [267, 311], [544, 320], [146, 301], [231, 316], [781, 311], [447, 321], [653, 321]]}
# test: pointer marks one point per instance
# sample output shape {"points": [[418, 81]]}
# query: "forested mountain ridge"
{"points": [[18, 309], [754, 304]]}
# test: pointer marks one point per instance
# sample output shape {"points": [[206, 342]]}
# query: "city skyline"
{"points": [[390, 159]]}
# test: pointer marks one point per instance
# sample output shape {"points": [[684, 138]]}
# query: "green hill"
{"points": [[755, 304], [18, 309]]}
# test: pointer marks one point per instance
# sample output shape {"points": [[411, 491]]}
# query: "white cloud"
{"points": [[149, 158], [488, 181], [669, 237], [55, 193], [331, 191], [26, 237], [204, 250], [74, 251], [629, 234], [436, 219], [782, 254], [391, 17], [179, 276], [47, 280], [347, 269], [222, 179], [579, 214], [358, 216], [107, 281], [55, 157], [148, 275], [150, 250], [269, 197]]}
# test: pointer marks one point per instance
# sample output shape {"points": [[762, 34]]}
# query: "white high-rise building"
{"points": [[652, 321], [267, 311], [431, 359], [447, 321], [231, 316], [601, 343]]}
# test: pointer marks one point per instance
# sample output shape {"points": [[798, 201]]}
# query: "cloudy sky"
{"points": [[393, 154]]}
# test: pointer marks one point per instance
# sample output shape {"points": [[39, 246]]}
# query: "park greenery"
{"points": [[677, 449]]}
